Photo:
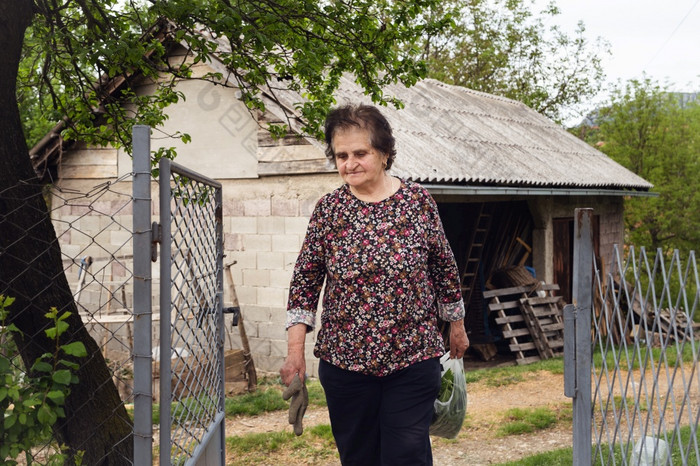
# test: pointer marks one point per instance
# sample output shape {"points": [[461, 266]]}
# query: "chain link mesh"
{"points": [[196, 341], [93, 231], [646, 378]]}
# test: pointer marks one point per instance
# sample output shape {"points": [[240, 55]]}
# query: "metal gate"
{"points": [[632, 348], [191, 351]]}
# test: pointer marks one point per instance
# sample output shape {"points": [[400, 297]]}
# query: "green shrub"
{"points": [[32, 401]]}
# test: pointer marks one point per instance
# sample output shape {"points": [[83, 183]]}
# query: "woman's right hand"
{"points": [[296, 361], [294, 364]]}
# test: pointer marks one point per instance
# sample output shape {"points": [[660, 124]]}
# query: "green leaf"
{"points": [[69, 364], [56, 396], [51, 333], [3, 393], [45, 415], [42, 366], [4, 364], [10, 420], [29, 402], [62, 376], [6, 301], [77, 348]]}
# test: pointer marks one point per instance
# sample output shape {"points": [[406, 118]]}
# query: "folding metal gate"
{"points": [[191, 350], [632, 355]]}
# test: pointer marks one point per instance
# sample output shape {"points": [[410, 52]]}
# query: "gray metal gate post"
{"points": [[190, 233], [143, 396], [577, 322], [165, 306]]}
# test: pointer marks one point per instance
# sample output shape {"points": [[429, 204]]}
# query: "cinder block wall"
{"points": [[610, 211], [265, 222]]}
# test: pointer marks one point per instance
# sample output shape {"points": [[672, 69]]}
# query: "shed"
{"points": [[506, 180]]}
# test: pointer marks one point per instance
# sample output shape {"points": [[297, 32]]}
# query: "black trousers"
{"points": [[382, 421]]}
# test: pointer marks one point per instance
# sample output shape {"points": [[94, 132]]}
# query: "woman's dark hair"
{"points": [[361, 116]]}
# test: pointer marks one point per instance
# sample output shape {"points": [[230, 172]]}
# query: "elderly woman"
{"points": [[378, 243]]}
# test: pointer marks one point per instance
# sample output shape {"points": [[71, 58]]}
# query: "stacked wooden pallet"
{"points": [[530, 319]]}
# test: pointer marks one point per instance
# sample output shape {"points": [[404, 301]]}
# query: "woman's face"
{"points": [[359, 164]]}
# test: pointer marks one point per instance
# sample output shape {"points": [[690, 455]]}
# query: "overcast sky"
{"points": [[658, 37]]}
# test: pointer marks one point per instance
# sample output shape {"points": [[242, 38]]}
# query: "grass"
{"points": [[527, 420], [502, 376], [634, 360], [564, 456], [268, 397], [316, 443]]}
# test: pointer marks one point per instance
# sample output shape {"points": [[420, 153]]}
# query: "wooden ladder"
{"points": [[468, 278]]}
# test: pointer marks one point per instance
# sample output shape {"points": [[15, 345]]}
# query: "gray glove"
{"points": [[300, 400]]}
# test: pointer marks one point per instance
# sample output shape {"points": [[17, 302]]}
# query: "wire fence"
{"points": [[90, 276], [97, 405], [646, 349]]}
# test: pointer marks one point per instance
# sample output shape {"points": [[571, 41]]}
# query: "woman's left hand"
{"points": [[459, 342]]}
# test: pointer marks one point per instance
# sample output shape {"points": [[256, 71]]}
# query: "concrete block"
{"points": [[244, 259], [285, 207], [257, 207], [236, 275], [260, 347], [272, 331], [268, 363], [63, 235], [272, 297], [71, 251], [256, 313], [290, 259], [233, 242], [80, 209], [270, 260], [296, 225], [90, 223], [278, 348], [270, 225], [119, 237], [280, 278], [306, 207], [233, 336], [257, 242], [239, 224], [232, 207], [247, 295], [312, 367], [256, 277], [286, 243]]}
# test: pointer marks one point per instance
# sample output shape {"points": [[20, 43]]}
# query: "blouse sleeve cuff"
{"points": [[450, 312], [301, 316]]}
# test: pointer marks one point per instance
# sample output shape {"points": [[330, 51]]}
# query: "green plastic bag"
{"points": [[450, 407]]}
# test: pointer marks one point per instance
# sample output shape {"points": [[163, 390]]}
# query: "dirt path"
{"points": [[477, 443]]}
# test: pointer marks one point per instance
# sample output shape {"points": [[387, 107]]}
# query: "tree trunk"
{"points": [[31, 271]]}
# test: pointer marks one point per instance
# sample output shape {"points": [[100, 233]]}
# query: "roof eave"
{"points": [[453, 190]]}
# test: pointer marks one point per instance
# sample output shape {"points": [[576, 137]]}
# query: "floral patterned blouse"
{"points": [[389, 272]]}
